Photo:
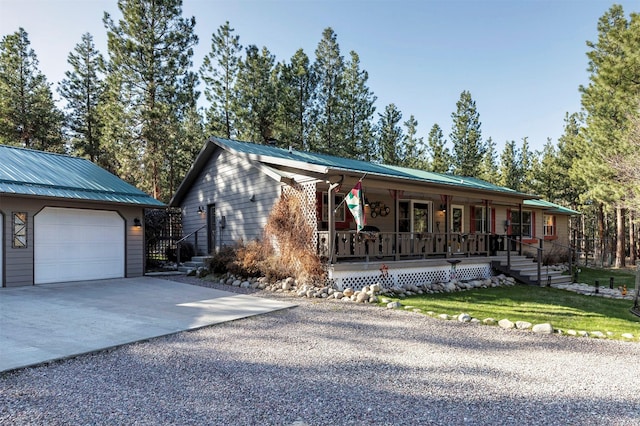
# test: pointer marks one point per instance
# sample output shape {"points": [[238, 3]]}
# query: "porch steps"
{"points": [[525, 270], [195, 263]]}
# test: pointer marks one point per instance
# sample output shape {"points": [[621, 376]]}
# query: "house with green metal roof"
{"points": [[64, 218], [412, 217]]}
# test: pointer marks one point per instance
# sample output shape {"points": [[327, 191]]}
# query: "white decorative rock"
{"points": [[545, 328], [572, 332], [464, 317], [523, 325], [362, 296], [444, 316], [375, 288], [506, 324], [348, 292], [627, 336], [394, 305], [489, 321]]}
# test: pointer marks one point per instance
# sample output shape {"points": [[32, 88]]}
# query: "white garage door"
{"points": [[76, 245]]}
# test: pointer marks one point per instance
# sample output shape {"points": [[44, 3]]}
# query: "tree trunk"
{"points": [[633, 252], [620, 239], [599, 251]]}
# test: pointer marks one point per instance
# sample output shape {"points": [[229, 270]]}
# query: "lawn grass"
{"points": [[589, 276], [563, 309]]}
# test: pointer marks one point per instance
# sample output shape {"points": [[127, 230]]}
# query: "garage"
{"points": [[78, 244]]}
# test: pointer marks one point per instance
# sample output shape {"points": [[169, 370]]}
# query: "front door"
{"points": [[211, 228]]}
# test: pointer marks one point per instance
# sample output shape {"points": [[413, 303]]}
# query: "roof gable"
{"points": [[38, 173]]}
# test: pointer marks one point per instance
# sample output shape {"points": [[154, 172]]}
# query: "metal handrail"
{"points": [[181, 240], [538, 255]]}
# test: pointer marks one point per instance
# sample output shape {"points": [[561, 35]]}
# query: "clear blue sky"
{"points": [[522, 60]]}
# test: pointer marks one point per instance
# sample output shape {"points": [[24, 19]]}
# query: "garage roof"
{"points": [[43, 174]]}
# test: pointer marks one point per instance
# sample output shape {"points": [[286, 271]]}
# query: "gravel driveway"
{"points": [[336, 363]]}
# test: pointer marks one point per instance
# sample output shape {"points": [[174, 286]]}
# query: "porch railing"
{"points": [[402, 245]]}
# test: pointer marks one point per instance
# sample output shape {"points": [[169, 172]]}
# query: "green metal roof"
{"points": [[358, 166], [43, 174], [550, 207]]}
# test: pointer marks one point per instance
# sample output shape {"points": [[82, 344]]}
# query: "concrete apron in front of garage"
{"points": [[55, 321]]}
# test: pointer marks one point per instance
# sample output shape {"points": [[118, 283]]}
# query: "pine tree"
{"points": [[390, 136], [358, 101], [28, 115], [545, 173], [328, 113], [150, 53], [610, 101], [439, 153], [83, 88], [297, 86], [466, 137], [257, 87], [489, 166], [526, 167], [413, 146], [510, 170], [219, 72]]}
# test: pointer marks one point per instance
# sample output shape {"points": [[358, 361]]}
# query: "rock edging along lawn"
{"points": [[376, 294]]}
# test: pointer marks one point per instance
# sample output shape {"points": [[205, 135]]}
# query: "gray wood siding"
{"points": [[229, 183], [18, 263]]}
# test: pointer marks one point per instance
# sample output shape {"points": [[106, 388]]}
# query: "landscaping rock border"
{"points": [[375, 294]]}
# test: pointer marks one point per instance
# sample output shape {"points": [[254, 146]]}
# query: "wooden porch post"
{"points": [[521, 226], [447, 225], [487, 230], [331, 222]]}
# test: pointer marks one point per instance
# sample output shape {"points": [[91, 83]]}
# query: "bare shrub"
{"points": [[285, 250]]}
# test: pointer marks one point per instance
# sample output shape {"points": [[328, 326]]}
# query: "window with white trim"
{"points": [[480, 219], [526, 223]]}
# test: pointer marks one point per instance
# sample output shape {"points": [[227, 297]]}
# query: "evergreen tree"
{"points": [[328, 114], [610, 101], [297, 86], [526, 167], [510, 170], [390, 136], [359, 109], [413, 146], [150, 51], [83, 88], [440, 156], [571, 185], [219, 72], [489, 166], [257, 86], [466, 137], [546, 172], [28, 115]]}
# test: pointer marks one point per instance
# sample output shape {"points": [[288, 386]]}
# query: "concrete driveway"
{"points": [[55, 321]]}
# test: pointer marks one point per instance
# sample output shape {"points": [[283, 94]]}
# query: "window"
{"points": [[526, 223], [457, 219], [549, 226], [19, 225], [340, 213], [479, 219], [414, 216], [420, 217]]}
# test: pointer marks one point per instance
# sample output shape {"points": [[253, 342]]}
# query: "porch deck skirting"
{"points": [[402, 273]]}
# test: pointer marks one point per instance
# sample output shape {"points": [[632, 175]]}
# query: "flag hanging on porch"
{"points": [[356, 206]]}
